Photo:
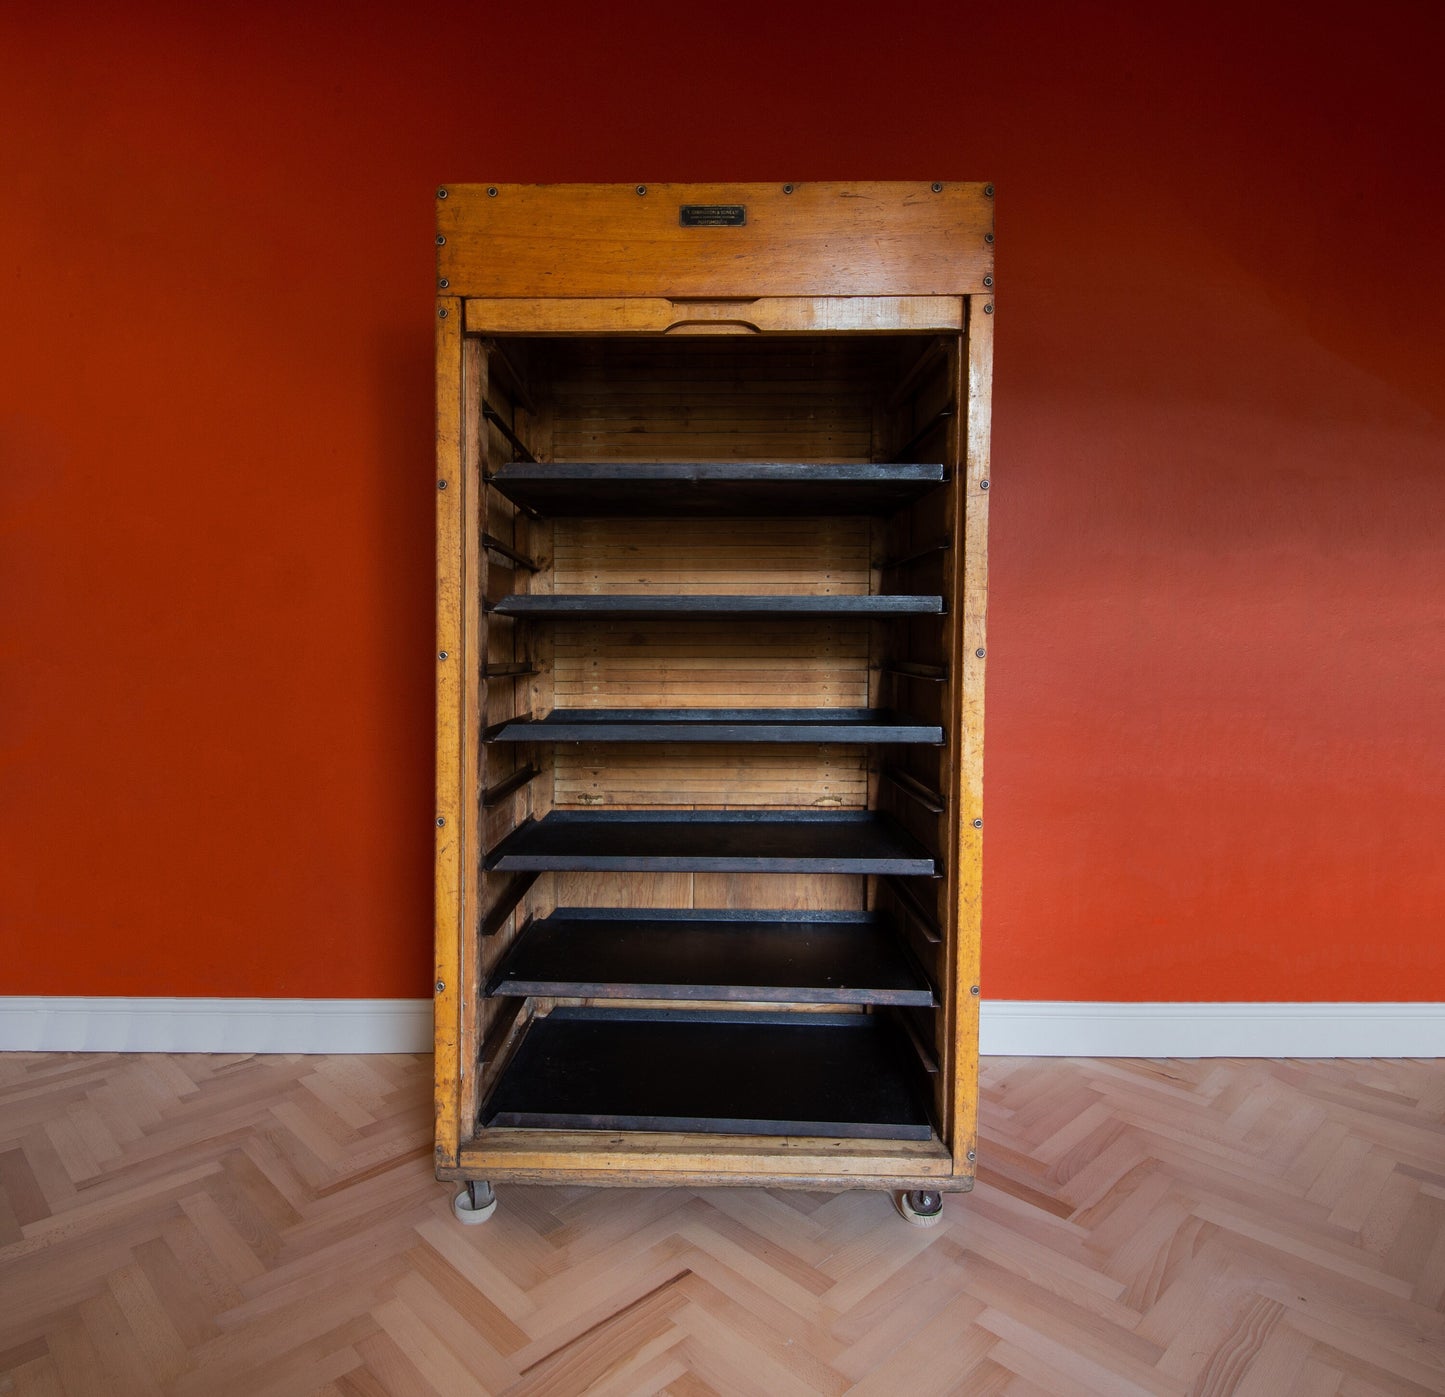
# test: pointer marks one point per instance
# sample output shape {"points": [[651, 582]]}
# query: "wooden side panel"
{"points": [[474, 707], [968, 699], [634, 315], [824, 239], [503, 409], [450, 722]]}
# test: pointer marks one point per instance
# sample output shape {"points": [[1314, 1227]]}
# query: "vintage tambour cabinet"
{"points": [[712, 503]]}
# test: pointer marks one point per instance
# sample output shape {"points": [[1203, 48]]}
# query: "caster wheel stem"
{"points": [[920, 1207]]}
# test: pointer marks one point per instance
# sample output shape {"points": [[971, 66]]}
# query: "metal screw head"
{"points": [[972, 1155], [973, 989], [441, 654], [978, 824], [988, 191], [642, 189], [983, 485], [441, 485], [988, 281], [441, 241], [938, 189], [988, 309], [442, 313], [444, 283], [988, 237], [787, 189], [441, 820], [441, 986], [441, 194], [978, 652], [491, 191]]}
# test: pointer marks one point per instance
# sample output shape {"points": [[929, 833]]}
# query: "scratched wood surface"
{"points": [[270, 1225]]}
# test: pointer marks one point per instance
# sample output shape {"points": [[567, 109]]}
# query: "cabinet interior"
{"points": [[704, 709]]}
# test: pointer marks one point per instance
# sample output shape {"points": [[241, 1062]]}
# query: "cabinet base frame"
{"points": [[648, 1159]]}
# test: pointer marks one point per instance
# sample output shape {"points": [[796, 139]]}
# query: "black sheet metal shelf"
{"points": [[772, 957], [714, 841], [653, 606], [716, 488], [719, 725], [851, 1075]]}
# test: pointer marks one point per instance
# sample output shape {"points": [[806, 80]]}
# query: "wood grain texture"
{"points": [[634, 315], [718, 399], [822, 239], [803, 663], [238, 1226], [967, 658], [452, 588]]}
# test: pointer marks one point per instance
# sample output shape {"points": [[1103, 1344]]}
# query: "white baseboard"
{"points": [[1008, 1028], [1062, 1028], [40, 1023]]}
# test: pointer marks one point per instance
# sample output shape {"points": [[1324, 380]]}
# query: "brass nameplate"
{"points": [[713, 215]]}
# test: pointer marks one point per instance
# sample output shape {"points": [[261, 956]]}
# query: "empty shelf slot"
{"points": [[713, 487], [562, 606], [792, 957], [713, 841], [852, 1075], [719, 725]]}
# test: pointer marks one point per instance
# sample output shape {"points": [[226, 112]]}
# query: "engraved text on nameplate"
{"points": [[713, 215]]}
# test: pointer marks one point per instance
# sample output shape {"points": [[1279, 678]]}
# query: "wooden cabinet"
{"points": [[712, 494]]}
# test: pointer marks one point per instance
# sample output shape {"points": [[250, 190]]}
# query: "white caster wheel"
{"points": [[475, 1204], [921, 1207]]}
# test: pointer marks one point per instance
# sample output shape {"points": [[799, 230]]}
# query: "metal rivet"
{"points": [[444, 283], [642, 189], [978, 824], [988, 281], [787, 189], [988, 237], [491, 191], [972, 1155], [938, 189], [442, 313], [988, 309], [983, 485], [441, 194], [441, 654], [441, 485], [441, 986], [441, 241], [978, 652], [988, 191], [441, 820], [973, 989]]}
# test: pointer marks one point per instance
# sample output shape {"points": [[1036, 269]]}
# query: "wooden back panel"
{"points": [[717, 398], [711, 664]]}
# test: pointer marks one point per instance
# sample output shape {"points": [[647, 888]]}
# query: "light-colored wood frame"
{"points": [[812, 239], [495, 278]]}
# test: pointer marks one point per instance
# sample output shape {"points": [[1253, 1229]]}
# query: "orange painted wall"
{"points": [[1217, 674]]}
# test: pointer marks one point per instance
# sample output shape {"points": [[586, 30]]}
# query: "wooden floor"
{"points": [[269, 1226]]}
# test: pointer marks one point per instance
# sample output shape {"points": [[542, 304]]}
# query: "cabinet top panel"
{"points": [[892, 238]]}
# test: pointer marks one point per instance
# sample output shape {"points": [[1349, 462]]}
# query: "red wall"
{"points": [[1215, 691]]}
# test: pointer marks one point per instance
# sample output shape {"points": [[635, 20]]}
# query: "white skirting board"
{"points": [[42, 1023], [1009, 1028]]}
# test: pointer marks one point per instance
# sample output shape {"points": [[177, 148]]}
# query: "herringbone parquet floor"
{"points": [[206, 1226]]}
